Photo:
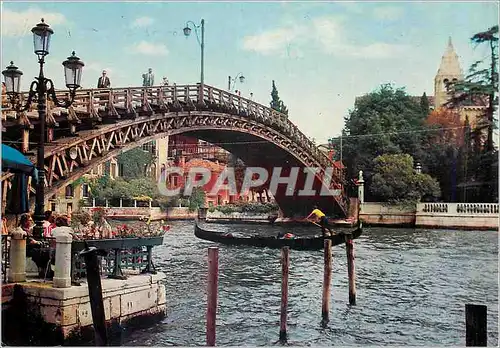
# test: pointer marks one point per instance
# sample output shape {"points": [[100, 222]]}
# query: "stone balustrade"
{"points": [[479, 216], [470, 216], [458, 208]]}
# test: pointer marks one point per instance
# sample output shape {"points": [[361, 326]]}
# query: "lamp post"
{"points": [[187, 32], [230, 80], [418, 168], [42, 88]]}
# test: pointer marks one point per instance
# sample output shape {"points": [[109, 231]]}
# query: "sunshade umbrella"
{"points": [[15, 161]]}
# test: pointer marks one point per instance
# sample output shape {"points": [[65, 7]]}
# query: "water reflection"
{"points": [[412, 286]]}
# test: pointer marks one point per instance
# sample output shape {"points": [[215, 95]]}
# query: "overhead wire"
{"points": [[265, 141]]}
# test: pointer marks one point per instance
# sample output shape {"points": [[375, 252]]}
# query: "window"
{"points": [[69, 191], [445, 84], [52, 206], [85, 190]]}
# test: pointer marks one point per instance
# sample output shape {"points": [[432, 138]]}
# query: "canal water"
{"points": [[412, 287]]}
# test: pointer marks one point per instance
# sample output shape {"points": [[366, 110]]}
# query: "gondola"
{"points": [[297, 243]]}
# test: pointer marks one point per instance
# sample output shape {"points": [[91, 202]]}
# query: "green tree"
{"points": [[386, 121], [197, 198], [480, 87], [276, 103], [424, 104], [395, 181], [119, 189], [144, 187], [134, 163]]}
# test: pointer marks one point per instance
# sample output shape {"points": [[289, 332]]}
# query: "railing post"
{"points": [[150, 268], [361, 189], [62, 273], [17, 267], [200, 93], [117, 269]]}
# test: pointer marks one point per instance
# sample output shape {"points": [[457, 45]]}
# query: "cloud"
{"points": [[273, 41], [20, 23], [388, 13], [149, 48], [325, 32], [143, 21]]}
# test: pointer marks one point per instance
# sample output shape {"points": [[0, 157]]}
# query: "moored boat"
{"points": [[297, 243]]}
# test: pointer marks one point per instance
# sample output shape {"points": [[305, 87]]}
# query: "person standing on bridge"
{"points": [[148, 79], [103, 81], [323, 221]]}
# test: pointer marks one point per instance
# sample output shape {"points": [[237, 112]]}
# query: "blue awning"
{"points": [[15, 162]]}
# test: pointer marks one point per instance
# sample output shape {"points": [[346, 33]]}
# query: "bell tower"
{"points": [[449, 71]]}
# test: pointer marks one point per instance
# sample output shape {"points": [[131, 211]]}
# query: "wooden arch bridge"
{"points": [[101, 123]]}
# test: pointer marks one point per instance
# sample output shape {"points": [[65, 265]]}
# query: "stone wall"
{"points": [[374, 213], [483, 216], [180, 213], [68, 309], [473, 216]]}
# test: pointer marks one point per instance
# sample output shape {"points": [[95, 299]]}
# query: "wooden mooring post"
{"points": [[285, 265], [327, 280], [351, 272], [95, 293], [212, 286], [476, 328]]}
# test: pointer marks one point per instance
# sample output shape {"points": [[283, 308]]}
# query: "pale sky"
{"points": [[321, 54]]}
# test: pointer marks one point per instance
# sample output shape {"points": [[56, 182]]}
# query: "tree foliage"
{"points": [[276, 103], [424, 104], [395, 180], [448, 128], [134, 163], [386, 121], [197, 198]]}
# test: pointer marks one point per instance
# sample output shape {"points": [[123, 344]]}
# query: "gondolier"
{"points": [[323, 221]]}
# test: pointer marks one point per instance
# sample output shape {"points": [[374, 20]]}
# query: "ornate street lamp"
{"points": [[187, 32], [42, 88], [231, 80], [418, 168]]}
